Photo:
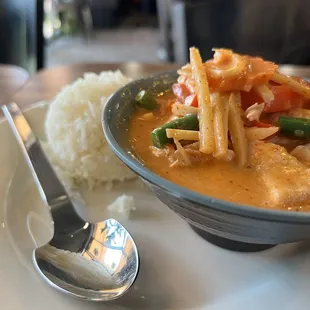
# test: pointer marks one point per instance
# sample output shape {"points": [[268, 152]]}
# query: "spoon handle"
{"points": [[50, 187]]}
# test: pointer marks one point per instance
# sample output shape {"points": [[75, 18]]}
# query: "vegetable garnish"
{"points": [[293, 126], [159, 135], [146, 101], [205, 112]]}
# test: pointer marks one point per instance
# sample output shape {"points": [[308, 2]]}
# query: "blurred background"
{"points": [[45, 33]]}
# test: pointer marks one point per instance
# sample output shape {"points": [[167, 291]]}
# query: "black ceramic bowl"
{"points": [[229, 225]]}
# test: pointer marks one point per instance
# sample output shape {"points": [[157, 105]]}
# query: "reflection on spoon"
{"points": [[85, 272]]}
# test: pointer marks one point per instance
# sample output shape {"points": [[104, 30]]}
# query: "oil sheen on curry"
{"points": [[233, 128]]}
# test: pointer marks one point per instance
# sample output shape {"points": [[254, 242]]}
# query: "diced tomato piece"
{"points": [[261, 124], [284, 99], [249, 98], [180, 91], [191, 101]]}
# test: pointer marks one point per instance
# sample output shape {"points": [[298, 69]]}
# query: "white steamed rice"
{"points": [[74, 131]]}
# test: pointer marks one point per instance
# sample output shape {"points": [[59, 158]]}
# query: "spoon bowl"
{"points": [[96, 262]]}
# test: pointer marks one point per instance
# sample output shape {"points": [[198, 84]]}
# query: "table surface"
{"points": [[12, 78], [48, 82]]}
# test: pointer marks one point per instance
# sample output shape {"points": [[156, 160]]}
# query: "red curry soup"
{"points": [[233, 128]]}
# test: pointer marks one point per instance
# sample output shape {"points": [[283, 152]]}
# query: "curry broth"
{"points": [[219, 179]]}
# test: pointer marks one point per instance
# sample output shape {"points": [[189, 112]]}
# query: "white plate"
{"points": [[179, 270]]}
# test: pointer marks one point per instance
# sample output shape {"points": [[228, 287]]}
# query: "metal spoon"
{"points": [[97, 262]]}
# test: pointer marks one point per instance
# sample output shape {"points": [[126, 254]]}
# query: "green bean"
{"points": [[297, 127], [187, 122], [146, 101]]}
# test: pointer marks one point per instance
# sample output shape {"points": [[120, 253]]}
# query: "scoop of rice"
{"points": [[74, 131]]}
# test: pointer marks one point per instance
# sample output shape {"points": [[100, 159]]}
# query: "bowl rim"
{"points": [[181, 192]]}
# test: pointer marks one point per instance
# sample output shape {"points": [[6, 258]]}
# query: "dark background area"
{"points": [[277, 30]]}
